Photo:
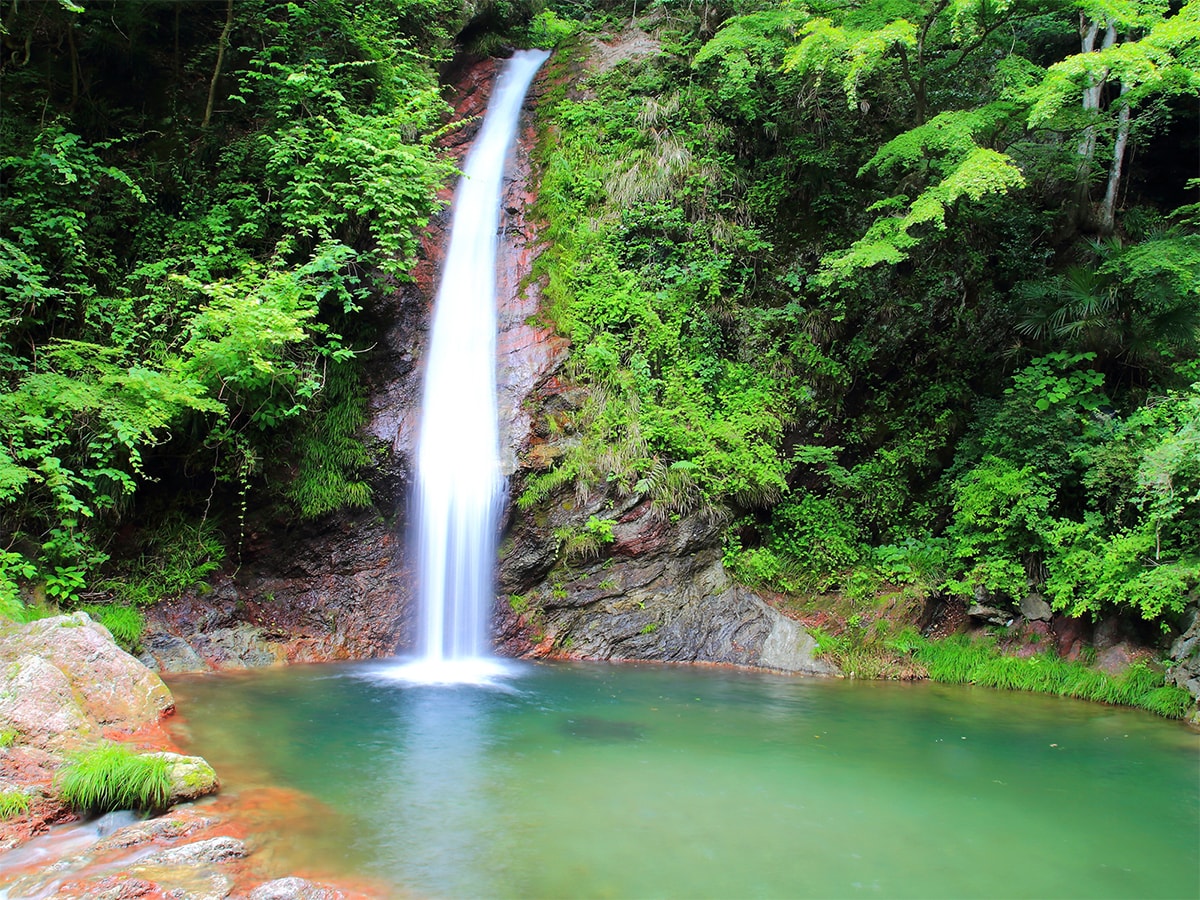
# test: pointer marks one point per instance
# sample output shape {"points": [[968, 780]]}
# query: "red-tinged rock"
{"points": [[1070, 634], [64, 679]]}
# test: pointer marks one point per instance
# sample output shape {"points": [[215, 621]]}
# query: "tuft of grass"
{"points": [[125, 623], [13, 804], [8, 737], [111, 776], [959, 660]]}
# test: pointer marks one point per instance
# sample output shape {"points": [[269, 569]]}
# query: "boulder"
{"points": [[37, 701], [990, 614], [97, 684], [208, 852], [1116, 659], [191, 777], [1035, 608], [1185, 654], [170, 827]]}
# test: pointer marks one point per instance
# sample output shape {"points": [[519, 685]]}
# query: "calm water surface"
{"points": [[594, 780]]}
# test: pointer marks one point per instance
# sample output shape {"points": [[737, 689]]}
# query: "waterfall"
{"points": [[459, 483]]}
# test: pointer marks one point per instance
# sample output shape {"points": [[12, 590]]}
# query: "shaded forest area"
{"points": [[906, 291]]}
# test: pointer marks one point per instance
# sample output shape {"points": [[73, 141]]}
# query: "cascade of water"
{"points": [[459, 482]]}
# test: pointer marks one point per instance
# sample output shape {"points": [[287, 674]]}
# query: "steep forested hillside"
{"points": [[198, 201], [910, 288], [907, 289]]}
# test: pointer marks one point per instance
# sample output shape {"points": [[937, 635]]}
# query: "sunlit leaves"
{"points": [[849, 53]]}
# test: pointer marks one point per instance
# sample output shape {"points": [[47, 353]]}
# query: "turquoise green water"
{"points": [[593, 780]]}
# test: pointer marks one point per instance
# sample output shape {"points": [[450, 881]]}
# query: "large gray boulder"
{"points": [[659, 591], [64, 679]]}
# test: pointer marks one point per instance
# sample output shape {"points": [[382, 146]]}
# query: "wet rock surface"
{"points": [[293, 889], [1185, 656], [659, 591]]}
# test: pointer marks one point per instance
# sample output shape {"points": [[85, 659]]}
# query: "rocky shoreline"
{"points": [[66, 687]]}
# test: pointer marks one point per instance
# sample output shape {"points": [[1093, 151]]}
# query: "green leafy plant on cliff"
{"points": [[586, 541], [111, 776]]}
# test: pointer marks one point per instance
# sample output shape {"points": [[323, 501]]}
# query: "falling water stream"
{"points": [[459, 482]]}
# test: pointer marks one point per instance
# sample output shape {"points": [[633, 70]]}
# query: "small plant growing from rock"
{"points": [[13, 804], [110, 776]]}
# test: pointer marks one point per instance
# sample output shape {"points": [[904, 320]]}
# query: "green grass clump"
{"points": [[13, 804], [8, 737], [110, 776], [125, 623], [960, 660]]}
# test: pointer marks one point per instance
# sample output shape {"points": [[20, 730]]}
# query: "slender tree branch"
{"points": [[212, 85]]}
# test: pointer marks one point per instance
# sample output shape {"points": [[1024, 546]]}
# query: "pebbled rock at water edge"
{"points": [[1185, 654], [198, 853], [293, 889]]}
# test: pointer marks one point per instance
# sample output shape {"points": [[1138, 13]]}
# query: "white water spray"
{"points": [[459, 482]]}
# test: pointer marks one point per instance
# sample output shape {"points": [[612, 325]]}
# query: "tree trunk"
{"points": [[1106, 221], [74, 65], [1089, 31], [212, 85]]}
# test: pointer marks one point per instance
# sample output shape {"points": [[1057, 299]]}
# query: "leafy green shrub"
{"points": [[111, 776], [585, 542], [546, 30], [331, 456], [177, 554]]}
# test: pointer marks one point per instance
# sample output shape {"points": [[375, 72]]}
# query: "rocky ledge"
{"points": [[655, 589]]}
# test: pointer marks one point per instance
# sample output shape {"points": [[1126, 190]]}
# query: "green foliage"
{"points": [[853, 54], [125, 623], [174, 298], [111, 776], [960, 660], [587, 541], [13, 804], [8, 737], [176, 554], [546, 30], [332, 458]]}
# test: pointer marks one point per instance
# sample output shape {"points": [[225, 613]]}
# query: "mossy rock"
{"points": [[191, 777]]}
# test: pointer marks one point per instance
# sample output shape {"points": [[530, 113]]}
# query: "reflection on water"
{"points": [[599, 780], [442, 816]]}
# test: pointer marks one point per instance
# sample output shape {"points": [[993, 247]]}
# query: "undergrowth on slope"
{"points": [[13, 804]]}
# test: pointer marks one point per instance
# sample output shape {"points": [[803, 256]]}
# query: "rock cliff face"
{"points": [[342, 588], [658, 591]]}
